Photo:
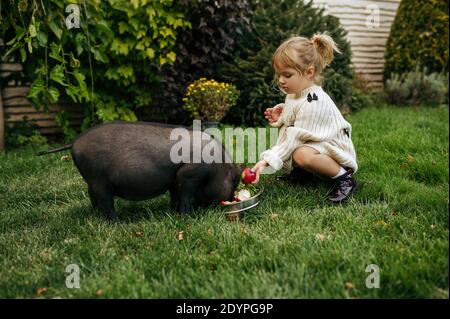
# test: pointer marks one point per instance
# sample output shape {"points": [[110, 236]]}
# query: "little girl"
{"points": [[314, 136]]}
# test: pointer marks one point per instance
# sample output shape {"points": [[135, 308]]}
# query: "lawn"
{"points": [[295, 245]]}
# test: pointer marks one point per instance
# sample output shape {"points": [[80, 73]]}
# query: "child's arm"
{"points": [[315, 123]]}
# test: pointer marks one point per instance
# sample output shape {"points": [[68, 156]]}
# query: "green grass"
{"points": [[398, 221]]}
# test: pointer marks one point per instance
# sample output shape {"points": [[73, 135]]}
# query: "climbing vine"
{"points": [[104, 55]]}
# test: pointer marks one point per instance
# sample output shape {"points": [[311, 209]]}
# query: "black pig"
{"points": [[132, 160]]}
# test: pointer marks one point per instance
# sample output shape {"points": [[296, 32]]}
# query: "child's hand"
{"points": [[272, 114], [258, 168]]}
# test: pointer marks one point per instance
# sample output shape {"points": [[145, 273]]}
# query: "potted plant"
{"points": [[209, 100]]}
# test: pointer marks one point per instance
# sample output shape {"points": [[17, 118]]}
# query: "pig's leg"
{"points": [[102, 197], [189, 179], [173, 198], [92, 197]]}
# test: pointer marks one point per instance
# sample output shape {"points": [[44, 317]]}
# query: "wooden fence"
{"points": [[18, 108], [15, 107]]}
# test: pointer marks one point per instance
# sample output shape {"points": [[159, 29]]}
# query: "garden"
{"points": [[173, 62]]}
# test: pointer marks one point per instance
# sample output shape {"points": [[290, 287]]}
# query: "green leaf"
{"points": [[83, 91], [126, 71], [53, 94], [99, 55], [80, 78], [42, 38], [165, 32], [122, 27], [32, 30], [79, 42], [56, 29], [30, 47], [10, 42], [119, 47], [23, 54], [36, 87], [111, 74], [104, 27], [150, 53], [57, 75], [54, 52], [135, 3], [72, 91], [140, 46], [172, 56]]}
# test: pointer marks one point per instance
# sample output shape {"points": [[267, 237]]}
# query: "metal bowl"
{"points": [[234, 210]]}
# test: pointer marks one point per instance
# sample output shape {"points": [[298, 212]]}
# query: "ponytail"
{"points": [[325, 46]]}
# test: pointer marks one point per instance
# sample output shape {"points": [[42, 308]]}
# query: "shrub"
{"points": [[108, 64], [362, 98], [417, 87], [251, 70], [24, 133], [419, 37], [209, 100], [217, 27]]}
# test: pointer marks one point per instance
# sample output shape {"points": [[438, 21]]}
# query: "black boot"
{"points": [[297, 176], [344, 187]]}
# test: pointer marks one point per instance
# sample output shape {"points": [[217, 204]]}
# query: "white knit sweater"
{"points": [[318, 124]]}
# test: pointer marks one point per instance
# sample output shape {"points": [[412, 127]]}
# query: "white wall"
{"points": [[368, 24]]}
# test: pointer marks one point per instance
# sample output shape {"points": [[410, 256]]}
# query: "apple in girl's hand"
{"points": [[248, 176]]}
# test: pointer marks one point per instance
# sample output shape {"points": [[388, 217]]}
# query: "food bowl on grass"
{"points": [[234, 210]]}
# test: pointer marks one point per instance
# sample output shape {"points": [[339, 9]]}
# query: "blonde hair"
{"points": [[299, 53]]}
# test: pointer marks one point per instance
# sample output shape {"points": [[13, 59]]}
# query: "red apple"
{"points": [[248, 176]]}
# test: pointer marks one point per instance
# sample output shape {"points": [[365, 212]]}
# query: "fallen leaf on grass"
{"points": [[180, 235], [349, 285], [274, 216], [138, 234], [41, 291], [99, 293], [65, 158], [381, 223], [320, 237], [408, 161]]}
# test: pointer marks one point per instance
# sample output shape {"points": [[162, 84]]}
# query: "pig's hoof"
{"points": [[113, 219]]}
